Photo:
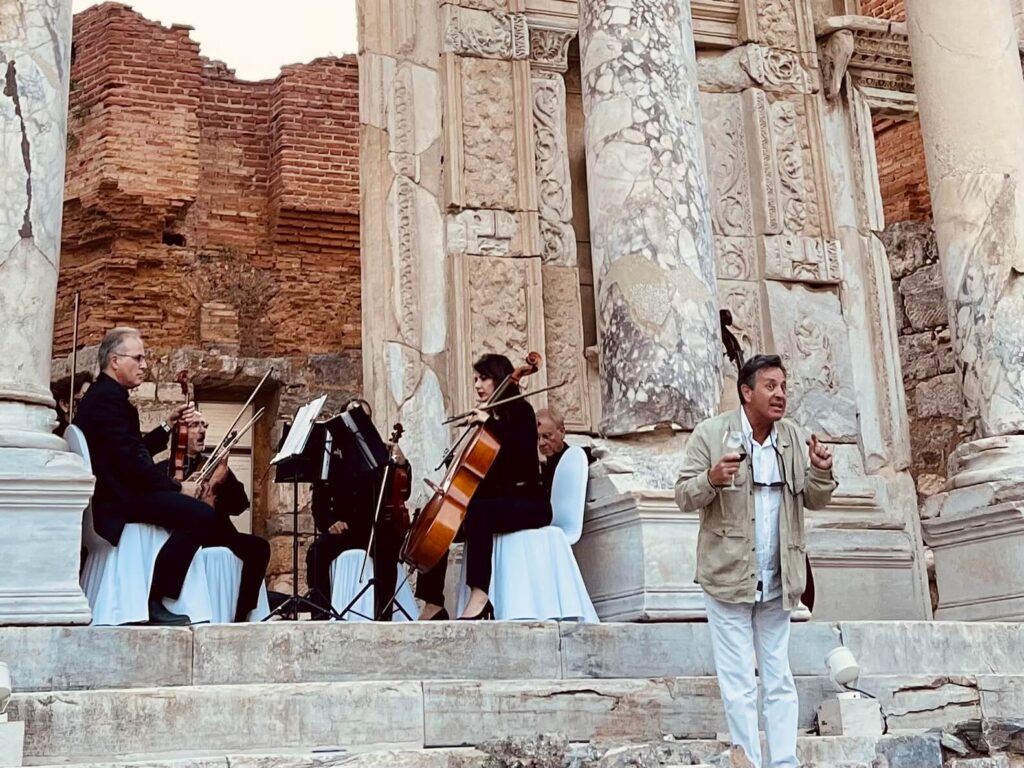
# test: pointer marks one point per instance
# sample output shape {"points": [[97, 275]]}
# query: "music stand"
{"points": [[295, 465]]}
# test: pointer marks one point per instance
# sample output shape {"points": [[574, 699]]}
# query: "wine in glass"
{"points": [[732, 441]]}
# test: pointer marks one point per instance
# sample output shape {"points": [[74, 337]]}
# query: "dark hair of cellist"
{"points": [[509, 498]]}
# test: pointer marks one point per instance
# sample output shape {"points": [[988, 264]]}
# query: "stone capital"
{"points": [[484, 34], [549, 46]]}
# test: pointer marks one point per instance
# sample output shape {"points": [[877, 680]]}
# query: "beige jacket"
{"points": [[726, 558]]}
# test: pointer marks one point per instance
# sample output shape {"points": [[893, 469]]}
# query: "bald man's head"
{"points": [[550, 432]]}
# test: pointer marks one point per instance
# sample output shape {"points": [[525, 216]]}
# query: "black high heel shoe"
{"points": [[486, 614], [441, 615]]}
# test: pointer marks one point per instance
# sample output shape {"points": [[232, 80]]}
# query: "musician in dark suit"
{"points": [[343, 512], [130, 488], [226, 494]]}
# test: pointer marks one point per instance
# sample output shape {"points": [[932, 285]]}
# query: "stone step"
{"points": [[181, 721], [85, 658], [902, 751]]}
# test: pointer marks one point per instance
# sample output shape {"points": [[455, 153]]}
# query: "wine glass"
{"points": [[732, 441]]}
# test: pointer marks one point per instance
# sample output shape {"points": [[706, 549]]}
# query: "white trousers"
{"points": [[739, 631]]}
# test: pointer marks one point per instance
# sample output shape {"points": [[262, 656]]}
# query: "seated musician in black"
{"points": [[130, 488], [60, 394], [509, 498], [551, 444], [226, 494], [343, 511]]}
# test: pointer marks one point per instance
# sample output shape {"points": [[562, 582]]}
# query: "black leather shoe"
{"points": [[160, 616], [486, 613]]}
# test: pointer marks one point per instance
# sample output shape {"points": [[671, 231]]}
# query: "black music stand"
{"points": [[302, 459], [363, 451]]}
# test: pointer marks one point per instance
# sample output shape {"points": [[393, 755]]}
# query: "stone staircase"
{"points": [[287, 694]]}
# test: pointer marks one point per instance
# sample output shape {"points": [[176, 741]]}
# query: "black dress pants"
{"points": [[189, 521], [484, 518], [328, 546]]}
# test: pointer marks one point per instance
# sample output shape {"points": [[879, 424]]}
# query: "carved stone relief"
{"points": [[743, 299], [498, 307], [789, 154], [726, 147], [776, 24], [549, 47], [554, 191], [563, 331], [810, 333], [489, 35], [483, 233], [736, 258], [775, 69], [489, 174], [803, 259], [765, 177]]}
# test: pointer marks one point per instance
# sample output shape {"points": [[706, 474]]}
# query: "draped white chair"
{"points": [[117, 580], [345, 585], [534, 572]]}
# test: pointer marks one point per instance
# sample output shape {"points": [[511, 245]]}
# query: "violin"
{"points": [[179, 447], [395, 513], [434, 529]]}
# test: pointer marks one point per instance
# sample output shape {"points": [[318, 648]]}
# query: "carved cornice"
{"points": [[875, 53], [549, 45], [484, 34], [716, 23]]}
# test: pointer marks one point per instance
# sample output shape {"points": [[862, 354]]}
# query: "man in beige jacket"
{"points": [[747, 473]]}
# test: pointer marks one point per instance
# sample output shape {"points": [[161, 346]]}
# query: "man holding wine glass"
{"points": [[750, 474]]}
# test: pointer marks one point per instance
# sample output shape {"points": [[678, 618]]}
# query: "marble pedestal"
{"points": [[42, 496], [976, 532]]}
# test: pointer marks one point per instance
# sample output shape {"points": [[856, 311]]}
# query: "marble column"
{"points": [[651, 240], [43, 489], [971, 97]]}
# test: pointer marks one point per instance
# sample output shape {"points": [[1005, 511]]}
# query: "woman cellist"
{"points": [[510, 497]]}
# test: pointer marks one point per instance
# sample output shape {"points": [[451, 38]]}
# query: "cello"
{"points": [[434, 529]]}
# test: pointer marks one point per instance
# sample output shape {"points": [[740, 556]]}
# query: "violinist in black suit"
{"points": [[130, 488], [343, 512], [226, 494]]}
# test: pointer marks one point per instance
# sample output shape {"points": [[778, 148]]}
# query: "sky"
{"points": [[257, 37]]}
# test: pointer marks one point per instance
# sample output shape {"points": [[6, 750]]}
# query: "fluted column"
{"points": [[651, 241], [43, 489]]}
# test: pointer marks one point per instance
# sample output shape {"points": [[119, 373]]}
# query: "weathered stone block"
{"points": [[919, 357], [924, 298], [278, 652], [73, 658], [86, 726], [940, 396]]}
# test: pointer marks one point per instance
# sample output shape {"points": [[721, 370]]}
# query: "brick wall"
{"points": [[884, 9], [901, 172], [219, 216]]}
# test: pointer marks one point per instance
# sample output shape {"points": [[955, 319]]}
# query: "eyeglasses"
{"points": [[137, 358]]}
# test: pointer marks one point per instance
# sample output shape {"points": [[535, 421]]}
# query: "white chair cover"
{"points": [[534, 573], [345, 584], [117, 580], [224, 577]]}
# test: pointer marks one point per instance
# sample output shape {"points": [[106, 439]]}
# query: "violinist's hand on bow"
{"points": [[480, 416], [819, 454], [338, 528]]}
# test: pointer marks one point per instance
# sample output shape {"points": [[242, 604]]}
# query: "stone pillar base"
{"points": [[976, 535], [42, 496], [976, 532], [638, 557]]}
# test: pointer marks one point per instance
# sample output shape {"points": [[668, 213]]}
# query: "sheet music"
{"points": [[302, 425]]}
